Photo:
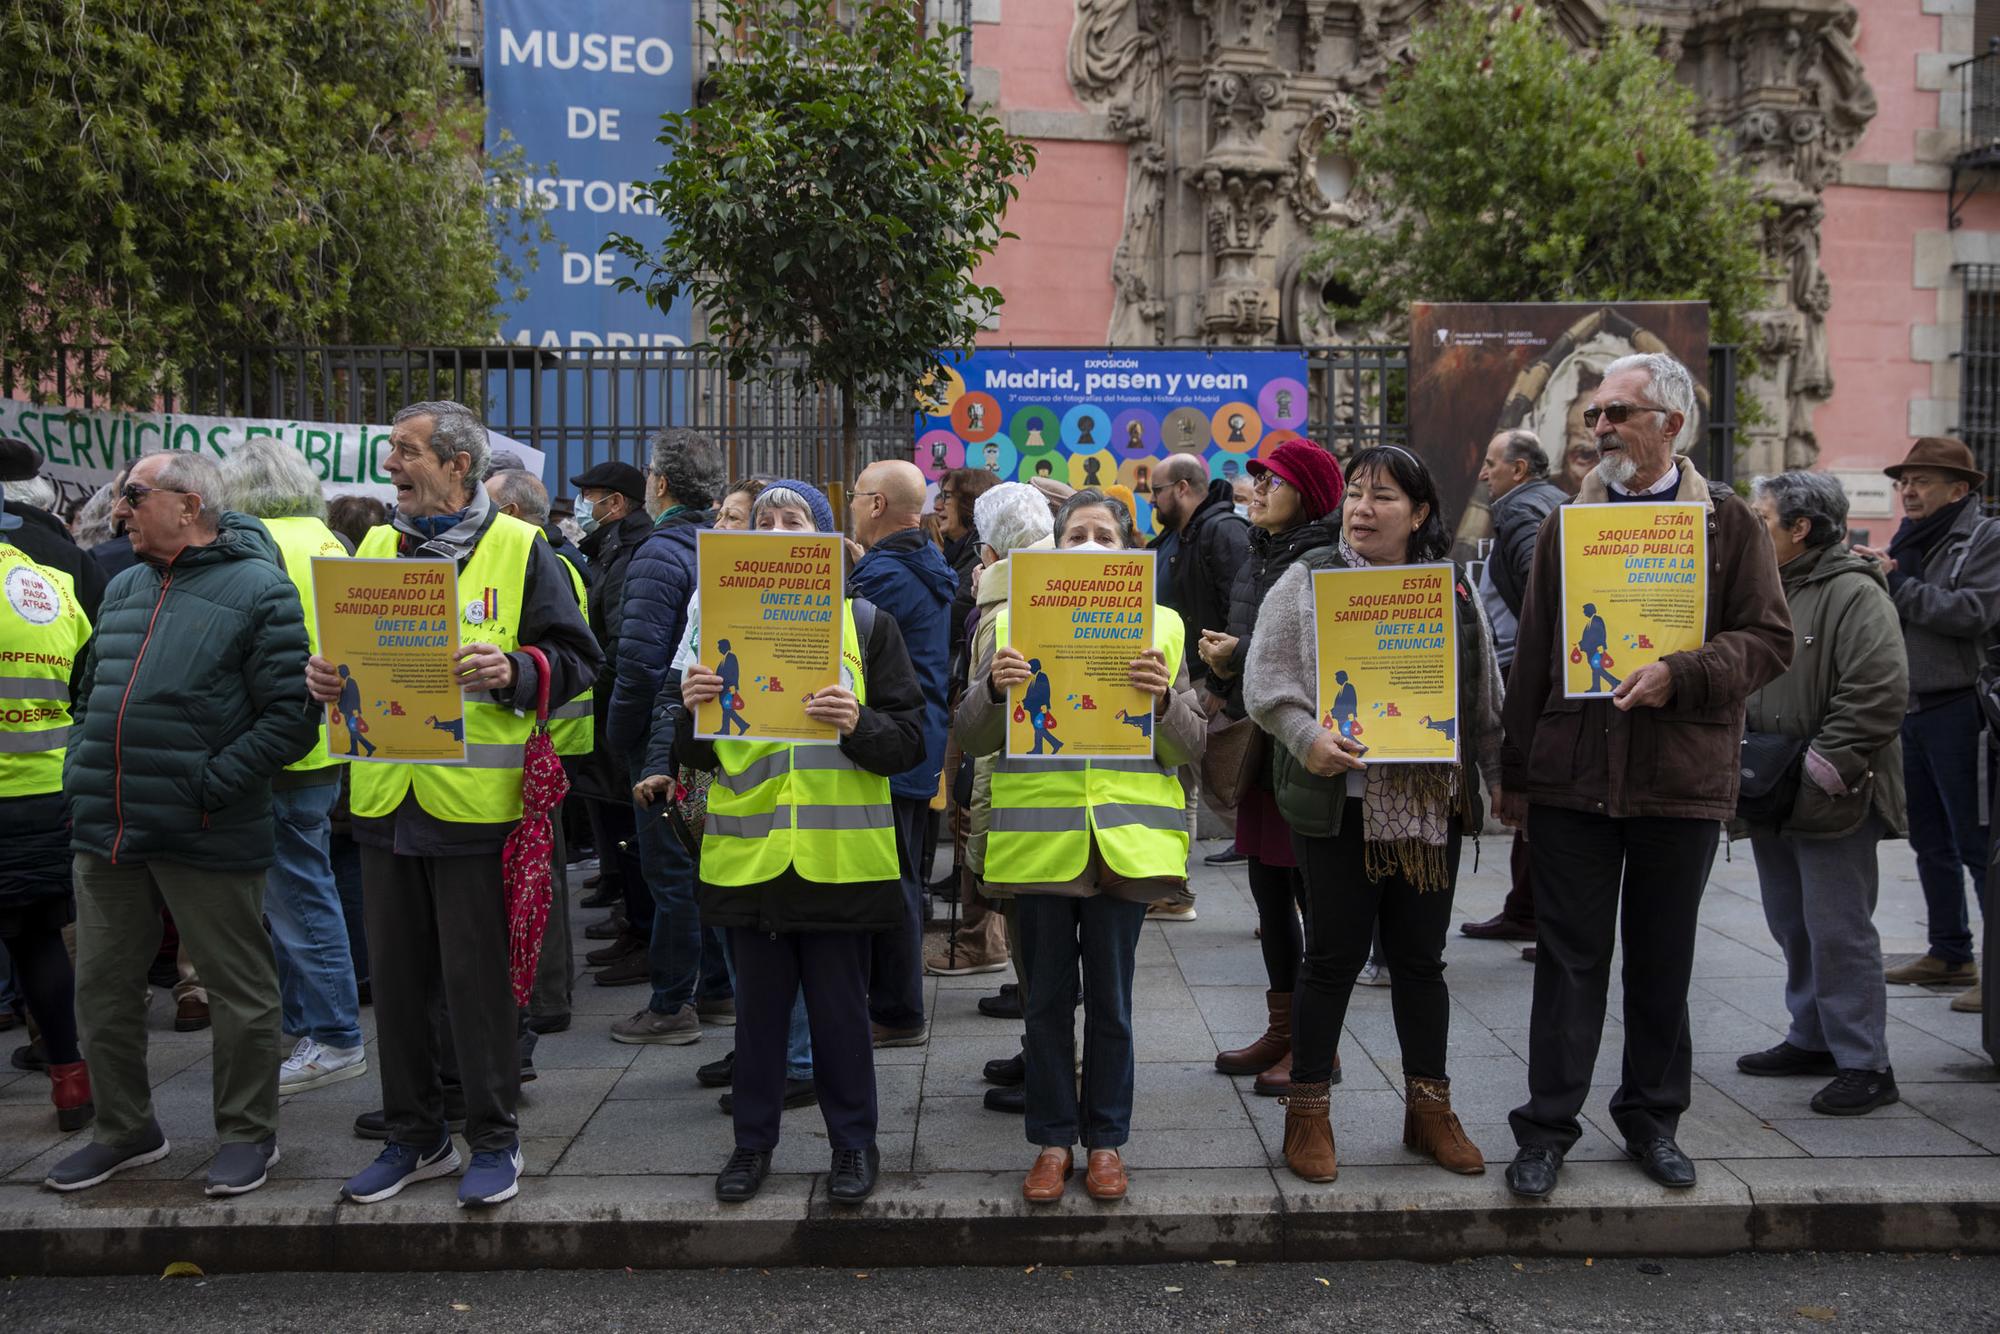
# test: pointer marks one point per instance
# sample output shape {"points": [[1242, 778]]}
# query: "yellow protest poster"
{"points": [[770, 627], [1080, 618], [1634, 589], [390, 628], [1388, 660]]}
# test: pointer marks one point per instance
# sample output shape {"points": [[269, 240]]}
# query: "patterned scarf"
{"points": [[1406, 809]]}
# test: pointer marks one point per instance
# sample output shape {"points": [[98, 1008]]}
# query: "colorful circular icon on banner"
{"points": [[1237, 427], [938, 452], [1097, 470], [1227, 467], [936, 394], [1048, 463], [1034, 428], [1282, 402], [1137, 476], [1185, 431], [1146, 520], [1273, 439], [1134, 431], [997, 455], [1087, 427], [976, 417]]}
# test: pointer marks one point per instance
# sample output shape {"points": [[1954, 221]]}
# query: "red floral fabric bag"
{"points": [[524, 861]]}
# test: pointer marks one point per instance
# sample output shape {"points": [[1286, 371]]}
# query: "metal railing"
{"points": [[1979, 370], [938, 15]]}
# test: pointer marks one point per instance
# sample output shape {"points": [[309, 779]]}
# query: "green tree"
{"points": [[189, 178], [831, 197], [1506, 165]]}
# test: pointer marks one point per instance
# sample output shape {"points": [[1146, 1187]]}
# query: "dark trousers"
{"points": [[1580, 860], [674, 950], [896, 958], [1520, 904], [1941, 753], [1280, 899], [438, 931], [1344, 912], [832, 966], [1059, 933]]}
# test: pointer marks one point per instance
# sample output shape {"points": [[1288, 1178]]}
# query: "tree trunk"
{"points": [[850, 452]]}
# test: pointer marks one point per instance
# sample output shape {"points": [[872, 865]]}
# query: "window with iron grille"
{"points": [[1979, 368]]}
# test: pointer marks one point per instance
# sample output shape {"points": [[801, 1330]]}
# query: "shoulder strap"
{"points": [[864, 622]]}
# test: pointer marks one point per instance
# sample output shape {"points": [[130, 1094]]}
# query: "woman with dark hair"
{"points": [[1294, 509], [1377, 847]]}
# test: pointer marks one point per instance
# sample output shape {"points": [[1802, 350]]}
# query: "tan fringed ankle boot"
{"points": [[1309, 1133], [1431, 1127]]}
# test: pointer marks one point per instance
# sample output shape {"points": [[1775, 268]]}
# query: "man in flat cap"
{"points": [[1944, 574], [31, 498]]}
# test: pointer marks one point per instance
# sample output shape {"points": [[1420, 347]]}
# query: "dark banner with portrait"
{"points": [[1477, 369]]}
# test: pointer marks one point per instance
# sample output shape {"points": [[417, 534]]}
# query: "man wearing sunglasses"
{"points": [[190, 702], [1626, 794]]}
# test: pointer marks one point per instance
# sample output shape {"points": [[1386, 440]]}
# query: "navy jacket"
{"points": [[659, 583], [907, 579]]}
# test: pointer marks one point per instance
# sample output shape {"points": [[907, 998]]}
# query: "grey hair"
{"points": [[1670, 382], [518, 486], [197, 475], [455, 429], [690, 466], [93, 521], [1525, 446], [775, 498], [268, 479], [1813, 496], [1082, 500], [38, 491]]}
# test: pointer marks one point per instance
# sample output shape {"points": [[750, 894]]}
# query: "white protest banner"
{"points": [[84, 447]]}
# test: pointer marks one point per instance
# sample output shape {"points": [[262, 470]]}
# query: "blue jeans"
{"points": [[798, 1036], [1056, 934], [308, 929], [1947, 827], [675, 951], [345, 854], [896, 958]]}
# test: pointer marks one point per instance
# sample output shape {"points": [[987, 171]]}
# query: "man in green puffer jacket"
{"points": [[1844, 694], [192, 698]]}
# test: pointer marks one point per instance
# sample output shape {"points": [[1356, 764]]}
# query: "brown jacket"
{"points": [[1678, 760]]}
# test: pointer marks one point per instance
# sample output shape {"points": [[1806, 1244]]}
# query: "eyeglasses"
{"points": [[1617, 413], [135, 492], [859, 495], [1267, 481]]}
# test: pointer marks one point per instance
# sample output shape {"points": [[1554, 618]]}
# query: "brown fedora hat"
{"points": [[1940, 453]]}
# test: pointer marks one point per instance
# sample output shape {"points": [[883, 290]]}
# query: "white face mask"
{"points": [[1242, 510], [584, 513], [1090, 546]]}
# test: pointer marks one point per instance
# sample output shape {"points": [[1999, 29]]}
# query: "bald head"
{"points": [[888, 498], [1180, 484]]}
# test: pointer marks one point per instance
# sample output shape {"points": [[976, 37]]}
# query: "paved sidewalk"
{"points": [[621, 1144]]}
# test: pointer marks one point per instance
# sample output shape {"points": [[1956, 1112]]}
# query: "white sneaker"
{"points": [[312, 1065], [1374, 974]]}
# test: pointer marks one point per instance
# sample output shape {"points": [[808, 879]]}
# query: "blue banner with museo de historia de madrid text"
{"points": [[1101, 417], [582, 84]]}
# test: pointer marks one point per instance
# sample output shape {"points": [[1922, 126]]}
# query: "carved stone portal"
{"points": [[1238, 111]]}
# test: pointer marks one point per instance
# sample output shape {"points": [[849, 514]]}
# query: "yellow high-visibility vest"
{"points": [[42, 629], [775, 806], [573, 726], [1045, 812], [300, 539], [486, 789]]}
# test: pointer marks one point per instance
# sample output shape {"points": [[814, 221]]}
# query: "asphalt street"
{"points": [[1934, 1294]]}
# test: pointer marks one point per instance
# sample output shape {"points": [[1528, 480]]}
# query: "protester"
{"points": [[431, 835], [351, 517], [271, 482], [190, 703], [1083, 880], [1294, 511], [683, 481], [1628, 791], [1843, 699], [1943, 567], [958, 491], [1377, 847], [41, 536], [43, 632], [799, 894], [101, 532], [1516, 474], [906, 579]]}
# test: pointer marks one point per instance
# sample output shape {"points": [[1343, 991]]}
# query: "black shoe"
{"points": [[717, 1074], [611, 928], [1006, 1005], [743, 1175], [30, 1057], [375, 1124], [798, 1093], [1785, 1059], [1662, 1160], [603, 896], [945, 887], [549, 1023], [623, 947], [1532, 1174], [1010, 1073], [1229, 856], [851, 1179], [1013, 1101], [1856, 1093]]}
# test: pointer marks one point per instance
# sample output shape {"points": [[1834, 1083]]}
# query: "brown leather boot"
{"points": [[1309, 1133], [1266, 1051], [69, 1089], [1431, 1127], [1277, 1081]]}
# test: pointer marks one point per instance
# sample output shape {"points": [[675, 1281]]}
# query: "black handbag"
{"points": [[1770, 770]]}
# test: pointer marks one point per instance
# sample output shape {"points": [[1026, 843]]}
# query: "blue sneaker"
{"points": [[400, 1166], [494, 1177]]}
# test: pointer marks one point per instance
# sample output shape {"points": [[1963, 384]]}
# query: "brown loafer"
{"points": [[1045, 1179], [1105, 1179]]}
